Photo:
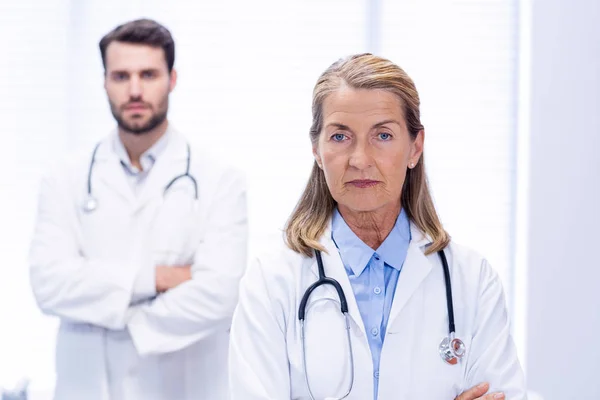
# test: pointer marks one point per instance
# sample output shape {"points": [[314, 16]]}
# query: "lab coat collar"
{"points": [[107, 151], [171, 163], [108, 172], [418, 237], [334, 268], [416, 268]]}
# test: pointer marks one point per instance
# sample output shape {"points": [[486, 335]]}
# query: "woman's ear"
{"points": [[317, 157], [417, 149]]}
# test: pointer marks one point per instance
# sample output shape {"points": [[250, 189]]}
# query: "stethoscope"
{"points": [[451, 349], [90, 204]]}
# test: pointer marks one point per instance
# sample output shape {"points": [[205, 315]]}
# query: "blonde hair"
{"points": [[316, 205]]}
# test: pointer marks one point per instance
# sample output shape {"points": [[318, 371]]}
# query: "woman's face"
{"points": [[365, 149]]}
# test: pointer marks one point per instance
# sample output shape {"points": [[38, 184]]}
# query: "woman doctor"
{"points": [[366, 221]]}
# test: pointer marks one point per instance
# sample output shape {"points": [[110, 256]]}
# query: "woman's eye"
{"points": [[338, 137], [385, 136]]}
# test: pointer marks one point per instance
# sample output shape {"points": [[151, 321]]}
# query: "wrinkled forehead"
{"points": [[361, 106]]}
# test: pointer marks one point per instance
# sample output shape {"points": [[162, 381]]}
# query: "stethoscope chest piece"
{"points": [[452, 350], [90, 204]]}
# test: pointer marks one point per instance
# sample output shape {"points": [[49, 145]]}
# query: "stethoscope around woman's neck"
{"points": [[451, 349]]}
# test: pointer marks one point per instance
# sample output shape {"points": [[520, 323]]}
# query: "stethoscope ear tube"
{"points": [[91, 169], [332, 282], [323, 280], [90, 203], [450, 305], [184, 175], [451, 349]]}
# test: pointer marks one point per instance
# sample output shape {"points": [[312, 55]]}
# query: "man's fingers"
{"points": [[475, 392], [494, 396]]}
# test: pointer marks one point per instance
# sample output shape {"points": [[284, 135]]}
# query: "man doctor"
{"points": [[139, 245]]}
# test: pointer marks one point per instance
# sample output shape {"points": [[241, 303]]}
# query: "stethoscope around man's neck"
{"points": [[90, 203]]}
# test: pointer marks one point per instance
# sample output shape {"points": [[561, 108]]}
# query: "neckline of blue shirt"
{"points": [[147, 159], [356, 254]]}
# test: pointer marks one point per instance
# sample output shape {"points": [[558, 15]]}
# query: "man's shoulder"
{"points": [[73, 163], [211, 165]]}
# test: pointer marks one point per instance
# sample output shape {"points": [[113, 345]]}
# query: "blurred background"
{"points": [[510, 93]]}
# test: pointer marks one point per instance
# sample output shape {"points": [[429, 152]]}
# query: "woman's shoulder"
{"points": [[277, 274], [279, 259], [469, 262], [464, 254]]}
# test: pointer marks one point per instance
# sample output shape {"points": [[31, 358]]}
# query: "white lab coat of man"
{"points": [[266, 359], [118, 340]]}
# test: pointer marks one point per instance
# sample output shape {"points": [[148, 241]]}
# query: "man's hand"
{"points": [[479, 393], [170, 277]]}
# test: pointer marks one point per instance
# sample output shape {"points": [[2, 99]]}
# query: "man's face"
{"points": [[138, 84]]}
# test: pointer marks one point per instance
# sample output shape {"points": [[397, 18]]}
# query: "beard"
{"points": [[137, 128]]}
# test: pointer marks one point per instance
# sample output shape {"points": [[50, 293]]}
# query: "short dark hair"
{"points": [[141, 31]]}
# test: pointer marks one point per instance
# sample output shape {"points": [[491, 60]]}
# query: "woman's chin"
{"points": [[361, 205]]}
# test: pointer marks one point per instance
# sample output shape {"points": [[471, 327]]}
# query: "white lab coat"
{"points": [[96, 272], [265, 348]]}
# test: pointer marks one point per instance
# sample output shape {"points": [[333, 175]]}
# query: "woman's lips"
{"points": [[363, 183]]}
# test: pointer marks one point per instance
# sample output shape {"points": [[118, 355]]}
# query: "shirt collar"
{"points": [[356, 254], [147, 159], [394, 248]]}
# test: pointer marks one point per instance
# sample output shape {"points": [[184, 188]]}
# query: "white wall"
{"points": [[246, 72], [34, 124], [462, 56], [563, 355]]}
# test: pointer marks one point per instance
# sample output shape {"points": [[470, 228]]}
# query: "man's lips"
{"points": [[135, 107]]}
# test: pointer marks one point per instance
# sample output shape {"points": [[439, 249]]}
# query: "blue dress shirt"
{"points": [[373, 275], [135, 176]]}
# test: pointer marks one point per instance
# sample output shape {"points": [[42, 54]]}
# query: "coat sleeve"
{"points": [[204, 305], [258, 361], [64, 282], [493, 355]]}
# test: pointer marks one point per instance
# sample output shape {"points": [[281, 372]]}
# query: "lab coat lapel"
{"points": [[334, 268], [168, 165], [415, 269], [108, 172]]}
